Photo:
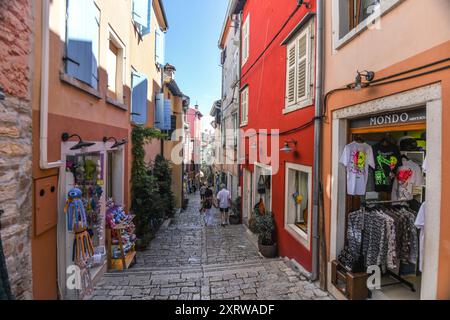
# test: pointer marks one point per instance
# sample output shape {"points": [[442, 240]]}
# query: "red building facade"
{"points": [[277, 92]]}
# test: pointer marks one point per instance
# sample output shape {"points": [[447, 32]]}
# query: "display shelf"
{"points": [[118, 264]]}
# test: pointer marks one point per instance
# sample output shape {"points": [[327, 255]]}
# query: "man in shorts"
{"points": [[224, 199]]}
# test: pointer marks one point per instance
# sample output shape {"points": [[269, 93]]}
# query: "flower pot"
{"points": [[234, 219], [268, 251]]}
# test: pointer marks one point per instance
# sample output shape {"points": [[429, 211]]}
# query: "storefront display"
{"points": [[385, 188]]}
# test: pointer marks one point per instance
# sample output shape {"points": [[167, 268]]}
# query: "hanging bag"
{"points": [[261, 185]]}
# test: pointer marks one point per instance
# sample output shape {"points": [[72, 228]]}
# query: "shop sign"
{"points": [[386, 119]]}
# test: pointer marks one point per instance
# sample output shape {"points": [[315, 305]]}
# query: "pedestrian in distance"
{"points": [[224, 199], [207, 204]]}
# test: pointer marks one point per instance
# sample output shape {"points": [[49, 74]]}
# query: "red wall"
{"points": [[267, 87]]}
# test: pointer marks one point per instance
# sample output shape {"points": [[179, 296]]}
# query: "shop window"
{"points": [[263, 176], [82, 44], [353, 16], [299, 81], [298, 199]]}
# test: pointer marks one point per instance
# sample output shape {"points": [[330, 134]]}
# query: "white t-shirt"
{"points": [[357, 157], [409, 175], [224, 196], [420, 224]]}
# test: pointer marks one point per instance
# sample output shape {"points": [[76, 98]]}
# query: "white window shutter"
{"points": [[302, 66], [141, 12], [291, 73], [159, 46]]}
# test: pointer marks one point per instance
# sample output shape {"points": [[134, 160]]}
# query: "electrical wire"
{"points": [[271, 41]]}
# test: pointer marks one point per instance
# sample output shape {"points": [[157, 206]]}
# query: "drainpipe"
{"points": [[317, 138], [43, 139]]}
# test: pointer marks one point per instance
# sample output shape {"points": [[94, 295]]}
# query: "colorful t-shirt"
{"points": [[357, 157], [387, 161], [409, 175]]}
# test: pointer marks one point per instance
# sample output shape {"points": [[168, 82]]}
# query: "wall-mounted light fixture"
{"points": [[368, 75], [116, 143], [306, 3], [81, 144], [287, 148]]}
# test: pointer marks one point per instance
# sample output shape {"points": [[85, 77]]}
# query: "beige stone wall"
{"points": [[15, 142]]}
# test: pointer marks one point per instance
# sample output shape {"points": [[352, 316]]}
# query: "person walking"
{"points": [[224, 199], [203, 190], [207, 205]]}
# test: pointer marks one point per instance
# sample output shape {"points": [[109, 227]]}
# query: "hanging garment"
{"points": [[357, 157], [387, 160], [409, 175], [420, 223], [5, 289]]}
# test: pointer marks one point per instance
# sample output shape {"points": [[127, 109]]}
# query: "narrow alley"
{"points": [[188, 261]]}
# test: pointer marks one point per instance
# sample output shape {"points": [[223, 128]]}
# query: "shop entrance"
{"points": [[389, 206]]}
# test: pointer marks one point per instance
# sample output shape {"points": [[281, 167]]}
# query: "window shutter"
{"points": [[94, 31], [139, 98], [302, 70], [167, 115], [159, 46], [159, 111], [245, 42], [291, 74], [141, 9], [244, 106], [82, 41]]}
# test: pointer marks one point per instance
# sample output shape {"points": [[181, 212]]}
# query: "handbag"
{"points": [[261, 185]]}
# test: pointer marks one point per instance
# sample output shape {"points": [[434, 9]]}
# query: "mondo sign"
{"points": [[387, 119]]}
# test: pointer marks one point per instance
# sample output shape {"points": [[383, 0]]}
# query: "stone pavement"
{"points": [[188, 261]]}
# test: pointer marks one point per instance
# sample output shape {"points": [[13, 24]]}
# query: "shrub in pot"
{"points": [[265, 227]]}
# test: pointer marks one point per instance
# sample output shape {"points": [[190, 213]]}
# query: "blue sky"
{"points": [[192, 47]]}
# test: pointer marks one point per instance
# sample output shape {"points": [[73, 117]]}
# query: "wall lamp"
{"points": [[116, 143], [368, 75], [302, 2], [81, 144], [287, 148]]}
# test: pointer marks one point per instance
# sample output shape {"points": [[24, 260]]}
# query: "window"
{"points": [[235, 130], [115, 67], [139, 84], [142, 14], [298, 201], [244, 106], [299, 73], [351, 17], [82, 46], [159, 47], [246, 40]]}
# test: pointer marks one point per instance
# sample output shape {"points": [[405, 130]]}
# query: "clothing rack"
{"points": [[397, 277]]}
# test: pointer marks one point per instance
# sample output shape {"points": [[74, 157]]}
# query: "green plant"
{"points": [[236, 206], [162, 171], [264, 226], [145, 204]]}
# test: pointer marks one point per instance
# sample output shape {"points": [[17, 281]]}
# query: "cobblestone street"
{"points": [[188, 261]]}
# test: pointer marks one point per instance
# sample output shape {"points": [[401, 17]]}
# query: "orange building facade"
{"points": [[407, 46], [94, 78]]}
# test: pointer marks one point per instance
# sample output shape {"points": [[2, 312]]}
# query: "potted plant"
{"points": [[265, 227]]}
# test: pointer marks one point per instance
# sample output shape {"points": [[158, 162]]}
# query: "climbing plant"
{"points": [[162, 171], [146, 203]]}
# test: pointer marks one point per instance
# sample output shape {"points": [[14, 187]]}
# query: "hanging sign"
{"points": [[393, 118]]}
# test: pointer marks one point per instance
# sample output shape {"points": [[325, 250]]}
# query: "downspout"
{"points": [[317, 139], [162, 92], [43, 139]]}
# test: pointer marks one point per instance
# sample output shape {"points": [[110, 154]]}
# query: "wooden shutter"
{"points": [[159, 111], [244, 111], [302, 66], [139, 98], [291, 73], [159, 46], [141, 9], [94, 31], [80, 58], [167, 115], [245, 40]]}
